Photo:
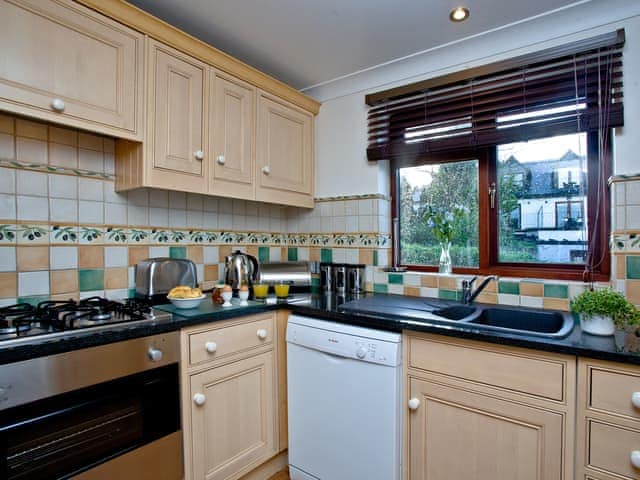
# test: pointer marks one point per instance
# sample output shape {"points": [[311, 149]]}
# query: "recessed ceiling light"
{"points": [[459, 14]]}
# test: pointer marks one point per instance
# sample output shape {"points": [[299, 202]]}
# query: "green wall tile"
{"points": [[375, 258], [512, 288], [556, 291], [292, 254], [131, 293], [396, 278], [633, 267], [326, 255], [35, 300], [178, 252], [380, 288], [91, 279], [315, 281], [263, 254], [448, 294]]}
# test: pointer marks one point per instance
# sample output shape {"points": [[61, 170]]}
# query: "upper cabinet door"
{"points": [[67, 64], [284, 153], [232, 113], [176, 120]]}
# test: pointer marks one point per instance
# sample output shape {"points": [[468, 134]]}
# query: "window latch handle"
{"points": [[492, 194]]}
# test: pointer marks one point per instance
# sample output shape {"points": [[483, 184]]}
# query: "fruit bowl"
{"points": [[187, 302]]}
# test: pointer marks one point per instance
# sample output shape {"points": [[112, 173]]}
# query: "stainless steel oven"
{"points": [[107, 412]]}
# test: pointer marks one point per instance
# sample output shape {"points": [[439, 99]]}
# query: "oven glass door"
{"points": [[61, 436]]}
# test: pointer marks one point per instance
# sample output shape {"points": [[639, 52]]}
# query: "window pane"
{"points": [[450, 192], [542, 200]]}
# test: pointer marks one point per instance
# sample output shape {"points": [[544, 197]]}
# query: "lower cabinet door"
{"points": [[458, 434], [233, 418]]}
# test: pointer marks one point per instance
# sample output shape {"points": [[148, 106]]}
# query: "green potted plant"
{"points": [[602, 311]]}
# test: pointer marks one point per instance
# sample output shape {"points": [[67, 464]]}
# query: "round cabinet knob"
{"points": [[262, 333], [199, 155], [221, 159], [635, 458], [57, 104], [266, 170], [414, 403], [635, 399], [199, 399], [211, 347], [361, 352], [155, 355]]}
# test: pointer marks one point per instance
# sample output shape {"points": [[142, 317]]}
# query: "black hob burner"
{"points": [[60, 316]]}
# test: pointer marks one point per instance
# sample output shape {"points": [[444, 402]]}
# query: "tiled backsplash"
{"points": [[64, 232]]}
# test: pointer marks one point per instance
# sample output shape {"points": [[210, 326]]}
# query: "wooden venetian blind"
{"points": [[573, 88]]}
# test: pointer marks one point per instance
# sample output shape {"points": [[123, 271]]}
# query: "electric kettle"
{"points": [[240, 269]]}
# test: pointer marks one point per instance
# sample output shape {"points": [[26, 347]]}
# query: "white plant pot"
{"points": [[597, 325]]}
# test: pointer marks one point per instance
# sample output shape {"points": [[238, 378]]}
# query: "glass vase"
{"points": [[444, 266]]}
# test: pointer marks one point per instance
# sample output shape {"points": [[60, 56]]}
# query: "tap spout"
{"points": [[468, 294]]}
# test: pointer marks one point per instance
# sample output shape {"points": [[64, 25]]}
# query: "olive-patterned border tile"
{"points": [[40, 167]]}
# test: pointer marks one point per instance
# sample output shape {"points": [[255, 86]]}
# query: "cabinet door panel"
{"points": [[284, 157], [235, 428], [465, 435], [91, 63], [232, 137]]}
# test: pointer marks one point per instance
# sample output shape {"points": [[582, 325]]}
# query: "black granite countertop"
{"points": [[328, 307]]}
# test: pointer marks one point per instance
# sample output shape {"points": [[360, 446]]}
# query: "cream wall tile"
{"points": [[31, 183], [7, 146], [178, 200], [508, 299], [63, 186], [532, 302], [115, 214], [108, 145], [396, 289], [63, 258], [303, 254], [63, 155], [238, 222], [158, 198], [90, 212], [8, 259], [91, 189], [252, 223], [131, 277], [92, 293], [90, 160], [275, 254], [117, 293], [158, 217], [177, 218], [33, 208], [33, 283], [7, 302], [210, 254], [263, 224], [65, 136], [633, 217], [111, 196], [139, 197], [210, 204], [137, 216], [116, 257], [251, 208], [195, 201], [195, 219], [90, 141], [633, 193], [275, 225], [238, 207], [429, 292], [7, 180], [32, 151], [339, 224], [352, 255], [30, 129], [8, 206], [413, 280], [158, 251], [210, 220], [351, 207], [109, 163], [62, 210], [225, 221]]}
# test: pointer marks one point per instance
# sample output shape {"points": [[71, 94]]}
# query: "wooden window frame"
{"points": [[599, 169]]}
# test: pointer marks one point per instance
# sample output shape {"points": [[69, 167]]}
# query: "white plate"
{"points": [[187, 302]]}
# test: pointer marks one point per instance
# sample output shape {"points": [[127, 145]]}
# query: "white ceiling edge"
{"points": [[581, 20]]}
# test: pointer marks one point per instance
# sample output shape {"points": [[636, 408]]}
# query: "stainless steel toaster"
{"points": [[156, 276]]}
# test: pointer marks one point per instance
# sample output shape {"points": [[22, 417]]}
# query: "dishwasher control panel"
{"points": [[346, 341]]}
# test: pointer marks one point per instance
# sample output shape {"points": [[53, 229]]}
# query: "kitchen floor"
{"points": [[280, 476]]}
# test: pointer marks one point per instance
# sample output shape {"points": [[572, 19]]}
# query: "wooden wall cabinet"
{"points": [[64, 63], [608, 421], [482, 412], [230, 396], [175, 143], [284, 160]]}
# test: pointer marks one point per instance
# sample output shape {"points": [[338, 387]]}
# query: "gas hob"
{"points": [[26, 323]]}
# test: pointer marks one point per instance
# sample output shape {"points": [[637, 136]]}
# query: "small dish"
{"points": [[185, 303]]}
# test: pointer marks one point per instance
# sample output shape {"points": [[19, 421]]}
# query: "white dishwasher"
{"points": [[345, 417]]}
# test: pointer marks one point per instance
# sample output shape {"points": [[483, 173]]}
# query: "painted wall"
{"points": [[341, 124]]}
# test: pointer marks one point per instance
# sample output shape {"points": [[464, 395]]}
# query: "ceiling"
{"points": [[309, 42]]}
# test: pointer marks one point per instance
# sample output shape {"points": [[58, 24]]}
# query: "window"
{"points": [[516, 154]]}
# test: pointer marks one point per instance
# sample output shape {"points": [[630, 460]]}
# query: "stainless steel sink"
{"points": [[512, 320], [523, 320]]}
